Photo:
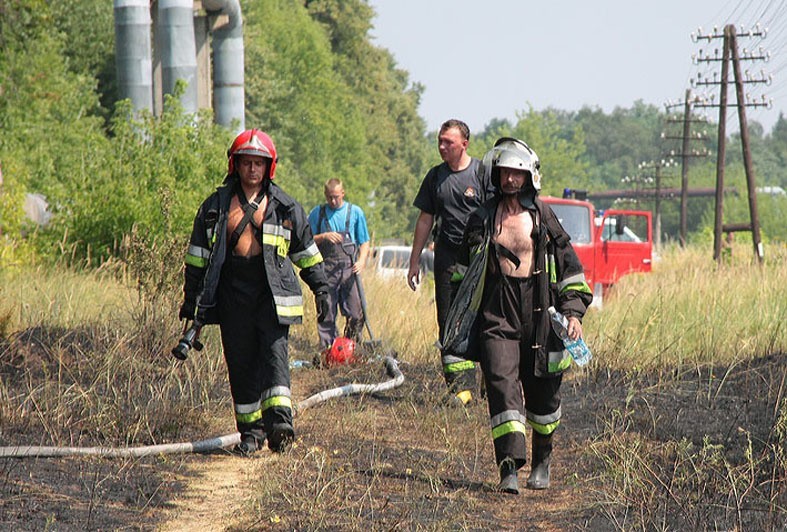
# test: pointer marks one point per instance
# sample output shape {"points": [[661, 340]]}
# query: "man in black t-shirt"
{"points": [[449, 193]]}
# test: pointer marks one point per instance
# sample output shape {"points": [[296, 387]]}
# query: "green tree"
{"points": [[338, 103], [618, 142], [394, 131], [294, 93], [49, 132], [153, 176], [88, 26], [777, 144]]}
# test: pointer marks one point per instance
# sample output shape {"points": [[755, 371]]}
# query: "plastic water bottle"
{"points": [[579, 350]]}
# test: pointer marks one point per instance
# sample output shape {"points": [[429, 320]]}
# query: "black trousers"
{"points": [[459, 373], [516, 396], [255, 348]]}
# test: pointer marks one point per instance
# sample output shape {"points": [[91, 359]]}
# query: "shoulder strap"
{"points": [[550, 221], [321, 218], [347, 219], [248, 212]]}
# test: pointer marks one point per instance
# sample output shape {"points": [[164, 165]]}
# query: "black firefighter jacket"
{"points": [[286, 240], [560, 283]]}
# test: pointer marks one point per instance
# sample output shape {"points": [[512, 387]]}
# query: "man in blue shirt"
{"points": [[341, 233]]}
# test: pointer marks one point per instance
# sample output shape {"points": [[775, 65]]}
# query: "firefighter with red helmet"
{"points": [[239, 273], [521, 262]]}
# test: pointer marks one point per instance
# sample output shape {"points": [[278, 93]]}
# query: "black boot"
{"points": [[281, 437], [353, 329], [539, 471], [248, 445], [508, 481]]}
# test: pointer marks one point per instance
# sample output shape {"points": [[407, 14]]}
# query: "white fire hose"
{"points": [[22, 451]]}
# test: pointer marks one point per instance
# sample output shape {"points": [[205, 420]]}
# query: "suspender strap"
{"points": [[324, 219], [248, 213], [347, 220], [501, 250]]}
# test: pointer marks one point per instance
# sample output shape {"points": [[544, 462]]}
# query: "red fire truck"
{"points": [[609, 243]]}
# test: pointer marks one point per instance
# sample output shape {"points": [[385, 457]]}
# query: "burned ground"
{"points": [[695, 449]]}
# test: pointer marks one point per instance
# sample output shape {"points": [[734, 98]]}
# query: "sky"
{"points": [[483, 60]]}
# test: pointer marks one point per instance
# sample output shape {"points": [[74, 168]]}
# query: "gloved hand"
{"points": [[322, 304], [186, 311]]}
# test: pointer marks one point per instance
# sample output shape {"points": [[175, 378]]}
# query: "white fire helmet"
{"points": [[509, 152]]}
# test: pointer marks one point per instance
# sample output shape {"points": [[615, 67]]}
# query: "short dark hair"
{"points": [[458, 124]]}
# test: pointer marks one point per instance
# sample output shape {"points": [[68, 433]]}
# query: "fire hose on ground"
{"points": [[212, 444]]}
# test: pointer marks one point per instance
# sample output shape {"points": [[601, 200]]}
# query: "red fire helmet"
{"points": [[253, 142]]}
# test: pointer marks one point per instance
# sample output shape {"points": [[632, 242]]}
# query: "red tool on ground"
{"points": [[341, 352]]}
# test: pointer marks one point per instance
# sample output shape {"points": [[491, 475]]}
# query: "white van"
{"points": [[393, 262]]}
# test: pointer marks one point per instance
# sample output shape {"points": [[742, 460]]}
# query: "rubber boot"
{"points": [[539, 471], [508, 481], [281, 437], [247, 446]]}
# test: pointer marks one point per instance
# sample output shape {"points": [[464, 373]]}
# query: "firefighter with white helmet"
{"points": [[516, 155], [239, 273], [522, 263]]}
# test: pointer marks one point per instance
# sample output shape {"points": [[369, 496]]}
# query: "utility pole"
{"points": [[652, 174], [730, 54], [685, 154]]}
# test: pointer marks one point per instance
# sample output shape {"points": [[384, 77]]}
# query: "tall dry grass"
{"points": [[691, 310], [104, 329], [84, 360], [697, 439], [61, 297]]}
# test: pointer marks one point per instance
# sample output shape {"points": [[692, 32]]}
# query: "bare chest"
{"points": [[514, 232], [247, 245]]}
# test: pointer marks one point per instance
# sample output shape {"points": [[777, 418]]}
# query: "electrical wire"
{"points": [[770, 14]]}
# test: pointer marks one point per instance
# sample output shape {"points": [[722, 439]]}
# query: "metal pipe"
{"points": [[178, 49], [132, 52], [228, 63]]}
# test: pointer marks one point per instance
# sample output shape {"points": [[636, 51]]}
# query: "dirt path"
{"points": [[215, 490]]}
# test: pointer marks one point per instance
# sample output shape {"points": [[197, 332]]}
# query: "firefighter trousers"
{"points": [[255, 348], [516, 396], [459, 373]]}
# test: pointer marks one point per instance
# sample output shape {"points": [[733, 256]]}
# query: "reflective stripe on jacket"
{"points": [[286, 240]]}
